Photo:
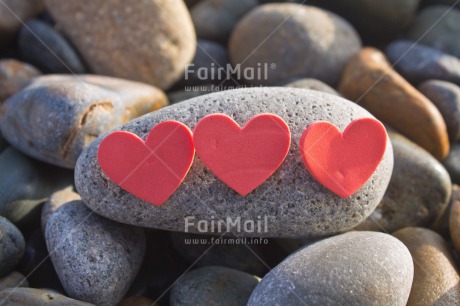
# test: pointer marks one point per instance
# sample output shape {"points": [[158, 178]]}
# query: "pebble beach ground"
{"points": [[73, 72]]}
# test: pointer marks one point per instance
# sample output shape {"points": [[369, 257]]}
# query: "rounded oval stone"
{"points": [[213, 286], [436, 279], [41, 45], [292, 201], [418, 193], [437, 26], [12, 246], [356, 268], [389, 97], [215, 19], [418, 63], [146, 41], [446, 97], [96, 259], [56, 116], [33, 296], [305, 46]]}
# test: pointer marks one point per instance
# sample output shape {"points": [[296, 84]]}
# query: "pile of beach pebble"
{"points": [[73, 71]]}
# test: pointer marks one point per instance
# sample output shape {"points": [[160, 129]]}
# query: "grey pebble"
{"points": [[295, 204], [446, 97], [12, 246], [213, 286], [355, 268], [96, 259], [56, 116], [56, 200], [44, 47], [418, 63], [437, 26], [418, 193]]}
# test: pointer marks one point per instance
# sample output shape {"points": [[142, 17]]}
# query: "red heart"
{"points": [[243, 158], [151, 170], [343, 162]]}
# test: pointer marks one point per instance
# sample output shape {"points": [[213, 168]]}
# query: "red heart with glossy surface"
{"points": [[150, 170], [343, 162], [243, 158]]}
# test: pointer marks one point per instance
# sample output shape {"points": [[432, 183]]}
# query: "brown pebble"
{"points": [[436, 279], [137, 301], [369, 80], [13, 76]]}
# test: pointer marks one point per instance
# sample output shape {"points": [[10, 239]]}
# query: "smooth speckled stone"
{"points": [[44, 47], [215, 19], [452, 163], [437, 26], [12, 246], [454, 223], [56, 200], [13, 280], [56, 116], [137, 301], [294, 203], [305, 46], [446, 97], [13, 76], [225, 252], [13, 13], [418, 193], [371, 82], [145, 41], [32, 296], [356, 268], [25, 184], [418, 63], [213, 286], [312, 84], [436, 279], [96, 259]]}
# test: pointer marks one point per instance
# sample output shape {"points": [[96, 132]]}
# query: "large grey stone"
{"points": [[56, 116], [96, 259], [294, 202], [356, 268]]}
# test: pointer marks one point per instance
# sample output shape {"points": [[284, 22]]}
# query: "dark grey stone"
{"points": [[356, 268], [437, 26], [225, 252], [452, 163], [96, 259], [295, 204], [418, 193], [41, 45], [25, 184], [56, 116], [446, 97], [418, 63], [213, 286], [12, 246]]}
